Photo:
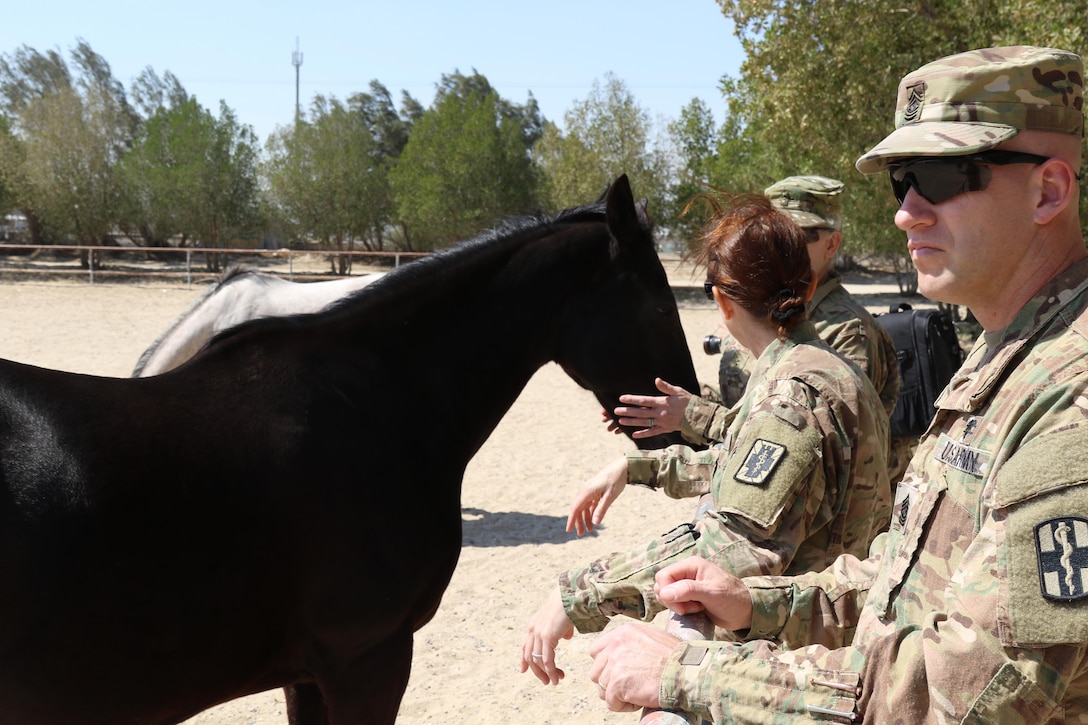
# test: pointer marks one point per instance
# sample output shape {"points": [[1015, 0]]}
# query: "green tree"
{"points": [[26, 75], [150, 92], [695, 136], [390, 130], [328, 176], [70, 166], [607, 134], [68, 132], [8, 145], [466, 165], [815, 92], [194, 175]]}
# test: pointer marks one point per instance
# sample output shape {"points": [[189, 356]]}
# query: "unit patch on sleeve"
{"points": [[1061, 545], [760, 462]]}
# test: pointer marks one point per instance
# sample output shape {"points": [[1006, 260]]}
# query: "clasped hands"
{"points": [[629, 660]]}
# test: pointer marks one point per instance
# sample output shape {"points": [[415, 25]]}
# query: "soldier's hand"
{"points": [[655, 414], [696, 585], [597, 494], [549, 625], [627, 666]]}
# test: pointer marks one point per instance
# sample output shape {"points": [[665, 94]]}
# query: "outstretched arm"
{"points": [[655, 414]]}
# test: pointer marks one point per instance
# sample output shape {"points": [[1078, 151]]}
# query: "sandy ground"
{"points": [[515, 498]]}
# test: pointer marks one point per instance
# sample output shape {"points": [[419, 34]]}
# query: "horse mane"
{"points": [[233, 272], [418, 280], [414, 283]]}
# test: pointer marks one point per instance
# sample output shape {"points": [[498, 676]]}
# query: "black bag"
{"points": [[929, 353]]}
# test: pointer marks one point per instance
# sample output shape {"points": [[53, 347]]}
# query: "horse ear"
{"points": [[625, 221]]}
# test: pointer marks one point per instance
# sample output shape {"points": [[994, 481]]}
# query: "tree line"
{"points": [[818, 85], [81, 156]]}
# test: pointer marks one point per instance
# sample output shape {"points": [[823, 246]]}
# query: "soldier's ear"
{"points": [[724, 304], [1057, 186]]}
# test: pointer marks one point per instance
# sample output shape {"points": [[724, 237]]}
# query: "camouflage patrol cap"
{"points": [[970, 102], [810, 201]]}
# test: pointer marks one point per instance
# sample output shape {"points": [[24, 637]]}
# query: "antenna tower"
{"points": [[296, 61]]}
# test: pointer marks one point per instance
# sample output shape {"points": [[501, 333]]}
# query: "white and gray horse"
{"points": [[241, 294]]}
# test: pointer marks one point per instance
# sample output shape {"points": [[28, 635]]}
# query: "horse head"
{"points": [[641, 337]]}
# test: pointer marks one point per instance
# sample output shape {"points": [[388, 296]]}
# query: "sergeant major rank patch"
{"points": [[913, 111], [760, 462], [1061, 545]]}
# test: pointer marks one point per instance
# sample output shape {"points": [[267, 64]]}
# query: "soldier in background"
{"points": [[815, 204], [973, 607]]}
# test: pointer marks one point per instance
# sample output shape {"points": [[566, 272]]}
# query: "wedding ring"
{"points": [[537, 656], [651, 423]]}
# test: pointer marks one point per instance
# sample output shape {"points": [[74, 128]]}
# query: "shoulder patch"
{"points": [[771, 461], [760, 462], [1042, 562], [1061, 546]]}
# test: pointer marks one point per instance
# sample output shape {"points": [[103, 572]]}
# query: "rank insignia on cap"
{"points": [[914, 103], [1062, 547], [760, 462]]}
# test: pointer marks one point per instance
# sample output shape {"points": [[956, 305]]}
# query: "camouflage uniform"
{"points": [[800, 478], [973, 607], [841, 321]]}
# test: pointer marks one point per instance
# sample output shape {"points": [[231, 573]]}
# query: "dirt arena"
{"points": [[515, 498]]}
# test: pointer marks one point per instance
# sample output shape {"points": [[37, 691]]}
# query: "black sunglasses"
{"points": [[939, 178], [708, 287], [812, 234]]}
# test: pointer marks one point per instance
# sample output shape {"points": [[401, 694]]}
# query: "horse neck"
{"points": [[482, 338]]}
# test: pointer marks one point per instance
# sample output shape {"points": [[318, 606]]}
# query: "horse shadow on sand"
{"points": [[513, 528]]}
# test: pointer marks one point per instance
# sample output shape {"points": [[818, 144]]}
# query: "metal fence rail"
{"points": [[147, 261]]}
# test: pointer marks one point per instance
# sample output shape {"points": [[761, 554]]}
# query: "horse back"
{"points": [[153, 501]]}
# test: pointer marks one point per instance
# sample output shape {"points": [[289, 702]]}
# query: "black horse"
{"points": [[284, 509]]}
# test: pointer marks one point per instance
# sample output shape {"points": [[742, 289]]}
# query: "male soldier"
{"points": [[814, 204], [974, 606]]}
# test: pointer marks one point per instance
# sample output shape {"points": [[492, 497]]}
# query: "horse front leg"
{"points": [[369, 688], [305, 704]]}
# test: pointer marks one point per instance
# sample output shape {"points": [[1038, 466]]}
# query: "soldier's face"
{"points": [[968, 248]]}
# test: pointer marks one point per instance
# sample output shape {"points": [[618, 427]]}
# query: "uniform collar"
{"points": [[829, 285], [985, 366]]}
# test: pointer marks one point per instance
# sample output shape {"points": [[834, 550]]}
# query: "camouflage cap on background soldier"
{"points": [[810, 201], [973, 101]]}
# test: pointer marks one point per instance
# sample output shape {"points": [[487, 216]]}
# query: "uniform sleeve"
{"points": [[815, 608], [681, 472], [767, 496], [706, 422]]}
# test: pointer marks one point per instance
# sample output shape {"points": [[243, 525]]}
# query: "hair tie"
{"points": [[785, 293], [783, 315]]}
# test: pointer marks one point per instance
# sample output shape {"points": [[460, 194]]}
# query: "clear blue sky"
{"points": [[666, 51]]}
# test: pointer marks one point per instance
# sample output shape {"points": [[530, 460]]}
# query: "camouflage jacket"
{"points": [[973, 607], [801, 478], [842, 322]]}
